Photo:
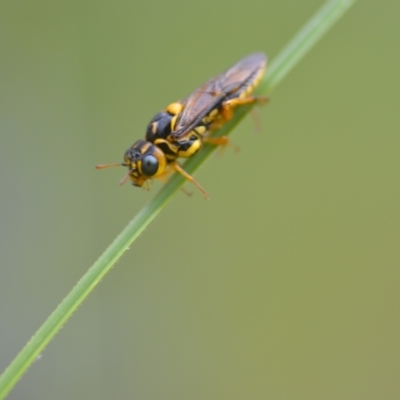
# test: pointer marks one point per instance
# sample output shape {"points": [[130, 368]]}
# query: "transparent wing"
{"points": [[224, 86]]}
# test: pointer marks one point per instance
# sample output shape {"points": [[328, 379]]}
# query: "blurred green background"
{"points": [[285, 285]]}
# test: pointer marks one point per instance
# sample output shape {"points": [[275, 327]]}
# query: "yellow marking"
{"points": [[171, 148], [194, 148], [211, 116], [175, 108], [213, 113], [154, 127], [145, 147], [173, 122], [200, 129]]}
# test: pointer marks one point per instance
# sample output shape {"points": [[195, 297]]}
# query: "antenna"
{"points": [[104, 166]]}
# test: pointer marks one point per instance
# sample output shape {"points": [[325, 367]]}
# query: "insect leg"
{"points": [[222, 141], [228, 106], [190, 178]]}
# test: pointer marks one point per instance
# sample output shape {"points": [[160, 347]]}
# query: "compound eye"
{"points": [[149, 165]]}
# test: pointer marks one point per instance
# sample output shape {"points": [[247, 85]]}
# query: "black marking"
{"points": [[162, 124]]}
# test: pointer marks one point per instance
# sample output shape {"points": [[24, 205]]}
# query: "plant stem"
{"points": [[286, 60]]}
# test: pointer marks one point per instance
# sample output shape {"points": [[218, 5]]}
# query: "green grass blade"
{"points": [[286, 60]]}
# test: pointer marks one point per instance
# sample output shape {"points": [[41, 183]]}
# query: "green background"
{"points": [[285, 285]]}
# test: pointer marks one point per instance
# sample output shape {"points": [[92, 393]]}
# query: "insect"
{"points": [[184, 126]]}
